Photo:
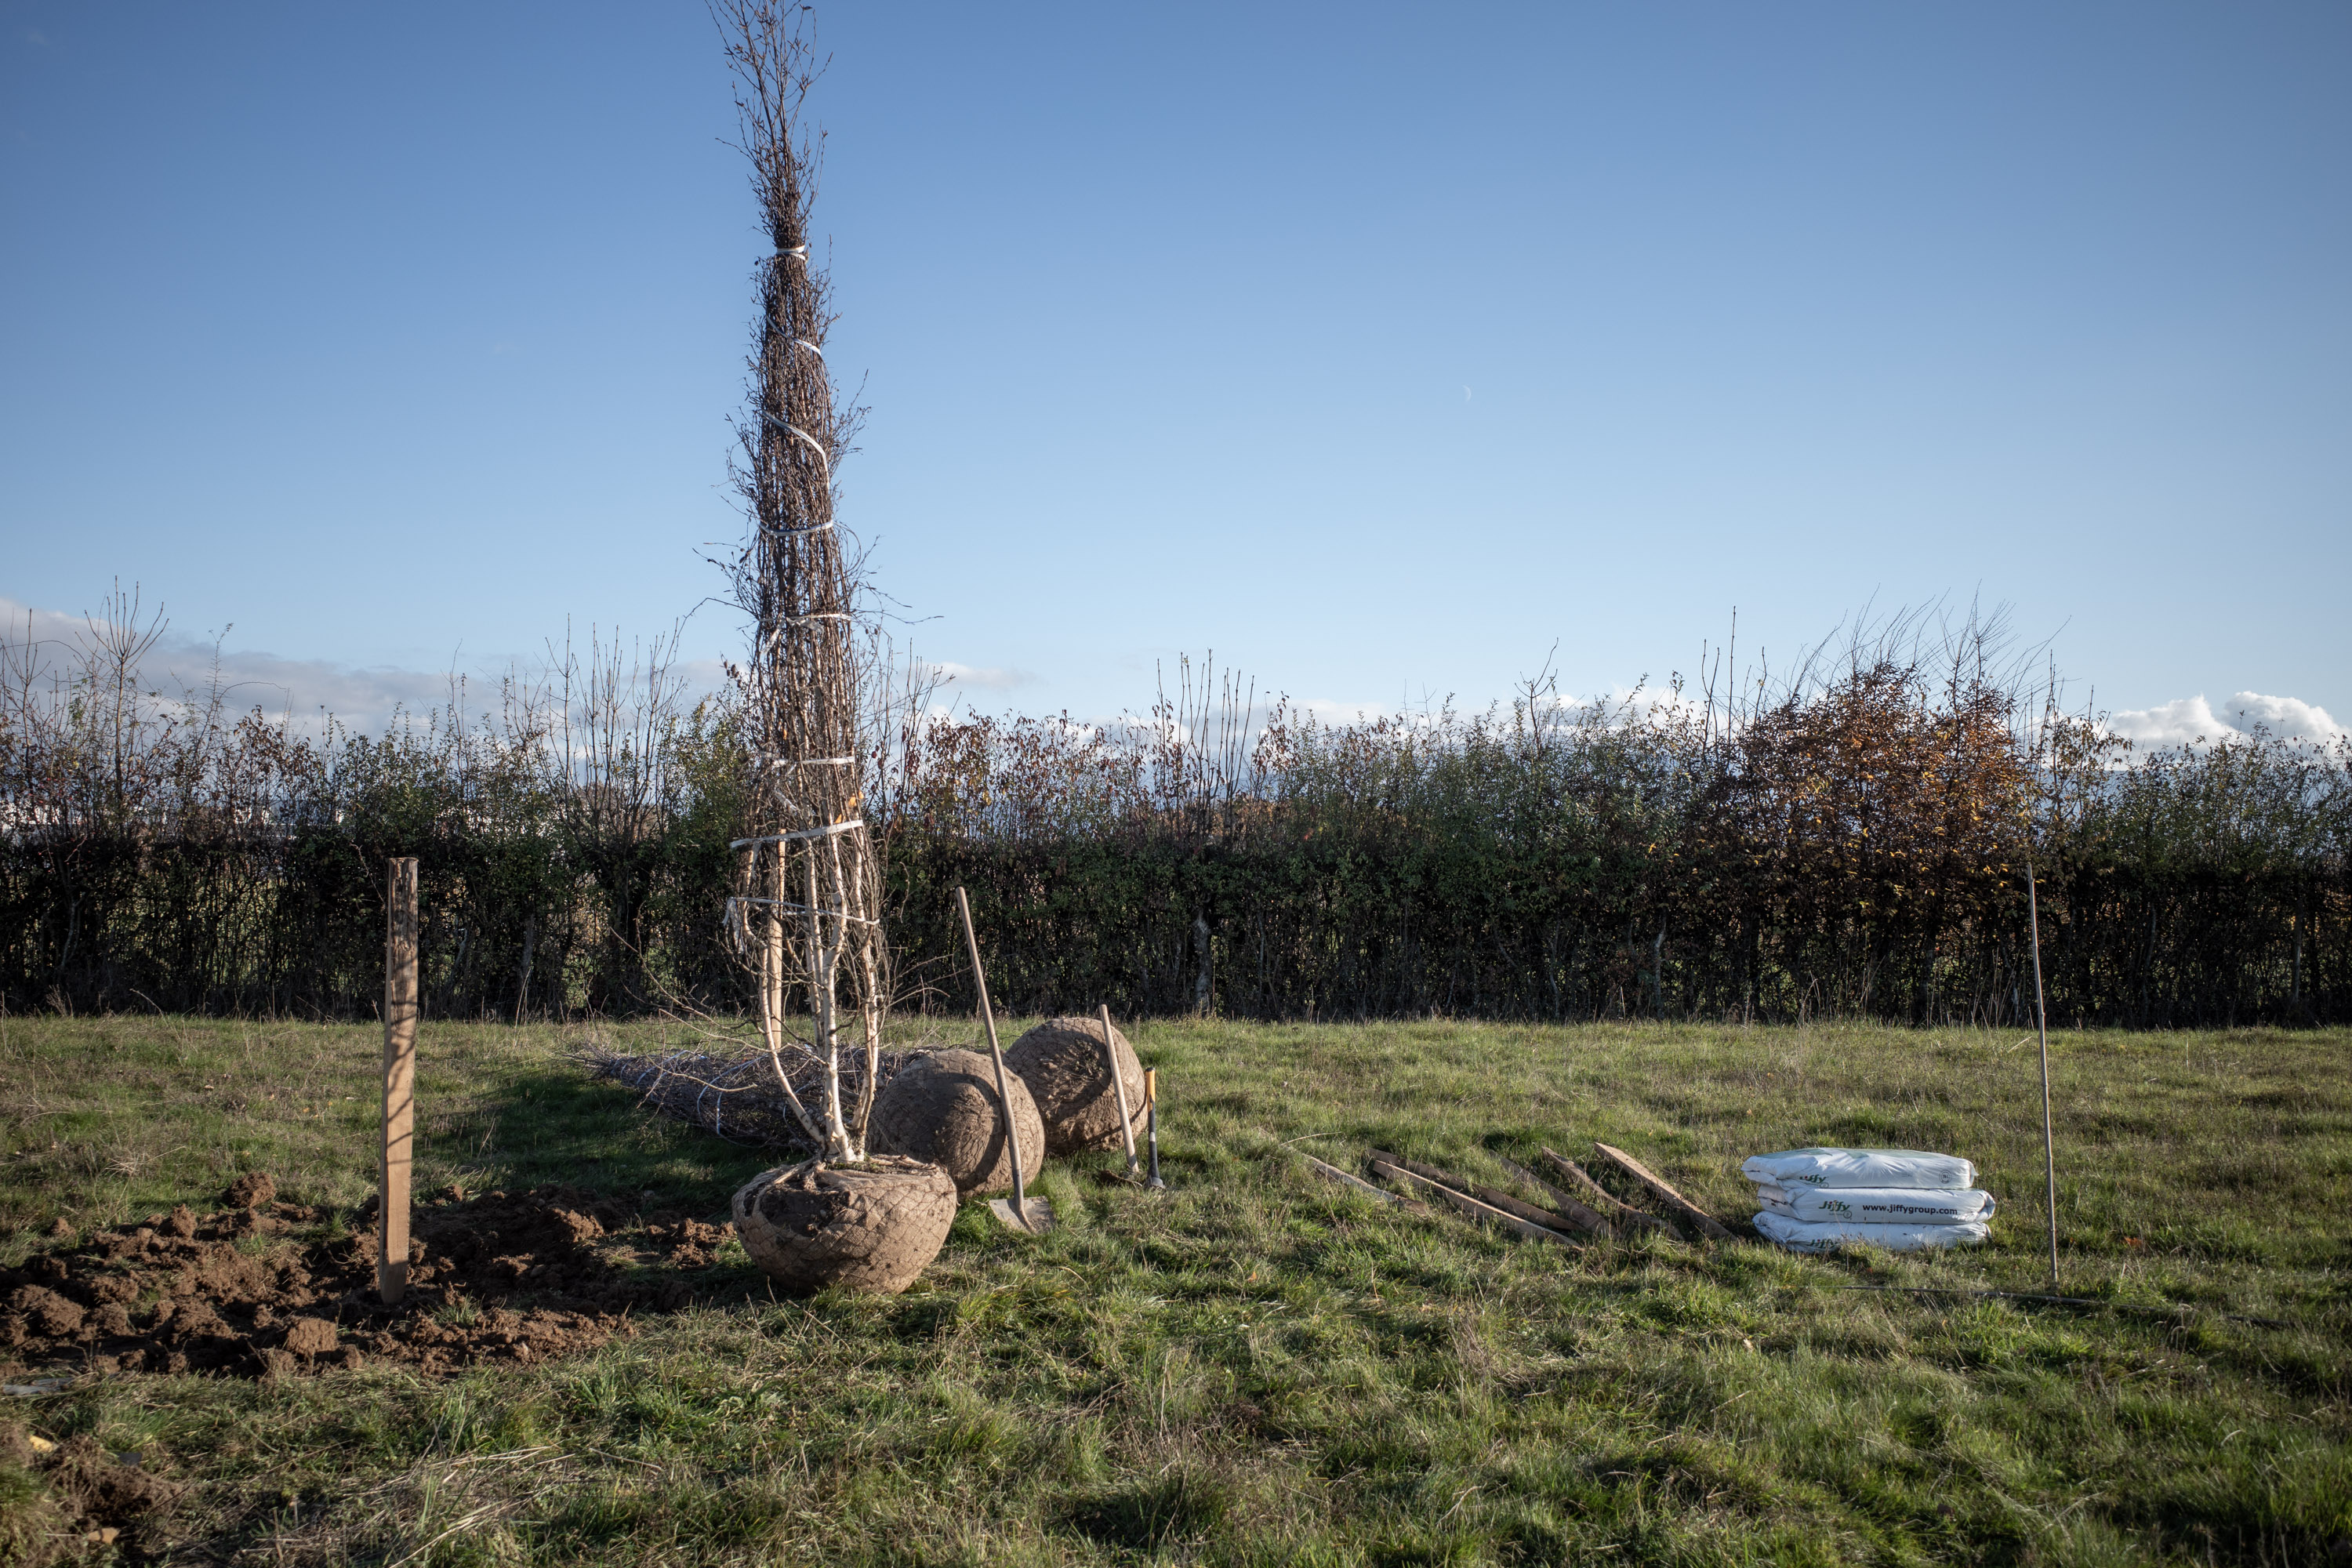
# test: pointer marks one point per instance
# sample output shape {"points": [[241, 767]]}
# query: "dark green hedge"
{"points": [[1860, 852]]}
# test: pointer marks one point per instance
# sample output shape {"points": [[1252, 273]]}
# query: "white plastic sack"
{"points": [[1818, 1236], [1794, 1168], [1877, 1205]]}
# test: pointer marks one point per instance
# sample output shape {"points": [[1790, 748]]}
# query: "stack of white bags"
{"points": [[1900, 1199]]}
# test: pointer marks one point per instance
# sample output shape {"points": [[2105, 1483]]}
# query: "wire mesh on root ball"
{"points": [[871, 1226], [1061, 1062], [943, 1107]]}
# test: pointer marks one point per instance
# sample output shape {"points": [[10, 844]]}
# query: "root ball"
{"points": [[1061, 1062], [942, 1108], [872, 1226]]}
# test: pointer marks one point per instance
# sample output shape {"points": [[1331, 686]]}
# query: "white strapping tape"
{"points": [[807, 910], [853, 825]]}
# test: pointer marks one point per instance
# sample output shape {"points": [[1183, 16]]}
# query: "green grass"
{"points": [[1258, 1367]]}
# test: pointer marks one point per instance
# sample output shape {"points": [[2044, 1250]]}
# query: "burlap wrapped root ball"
{"points": [[872, 1227], [1061, 1062], [942, 1108]]}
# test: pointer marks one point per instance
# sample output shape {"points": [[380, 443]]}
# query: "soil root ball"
{"points": [[872, 1226], [942, 1108], [1061, 1060]]}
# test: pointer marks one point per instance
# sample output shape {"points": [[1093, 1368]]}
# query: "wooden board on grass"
{"points": [[1470, 1205], [1673, 1200], [1611, 1203], [1333, 1174]]}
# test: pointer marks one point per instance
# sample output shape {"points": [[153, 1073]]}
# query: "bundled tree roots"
{"points": [[809, 1226], [807, 911], [734, 1096]]}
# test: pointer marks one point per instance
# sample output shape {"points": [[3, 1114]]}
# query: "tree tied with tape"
{"points": [[807, 915]]}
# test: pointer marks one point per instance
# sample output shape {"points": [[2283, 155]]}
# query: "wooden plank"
{"points": [[1333, 1173], [1472, 1207], [1585, 1219], [1485, 1195], [1611, 1205], [398, 1150], [1502, 1200], [1666, 1195], [1428, 1172]]}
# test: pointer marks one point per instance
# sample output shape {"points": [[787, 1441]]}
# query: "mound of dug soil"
{"points": [[274, 1289]]}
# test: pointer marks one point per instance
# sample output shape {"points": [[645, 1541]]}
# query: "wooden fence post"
{"points": [[399, 1008]]}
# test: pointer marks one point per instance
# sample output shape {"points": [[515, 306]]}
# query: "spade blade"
{"points": [[1034, 1216]]}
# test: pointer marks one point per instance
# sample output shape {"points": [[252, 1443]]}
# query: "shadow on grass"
{"points": [[1145, 1517], [557, 1124]]}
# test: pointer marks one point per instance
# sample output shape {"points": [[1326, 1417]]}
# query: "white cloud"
{"points": [[1652, 703], [2289, 717], [2185, 722], [2192, 721], [1325, 711]]}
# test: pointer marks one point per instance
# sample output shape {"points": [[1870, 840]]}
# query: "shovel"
{"points": [[1034, 1215], [1119, 1082]]}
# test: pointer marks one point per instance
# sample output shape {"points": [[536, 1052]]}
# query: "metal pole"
{"points": [[1151, 1125], [2041, 1027]]}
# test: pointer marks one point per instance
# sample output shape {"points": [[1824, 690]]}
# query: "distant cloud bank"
{"points": [[2192, 720], [180, 669], [368, 699], [181, 666]]}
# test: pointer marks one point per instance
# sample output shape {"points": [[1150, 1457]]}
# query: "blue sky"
{"points": [[1378, 348]]}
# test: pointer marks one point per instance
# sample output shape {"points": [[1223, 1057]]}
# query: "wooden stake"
{"points": [[400, 1007], [1616, 1208], [1119, 1082], [1151, 1126], [1589, 1219], [1333, 1174], [1472, 1207], [1682, 1206], [1492, 1198]]}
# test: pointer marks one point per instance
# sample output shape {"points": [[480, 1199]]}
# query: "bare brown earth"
{"points": [[277, 1288]]}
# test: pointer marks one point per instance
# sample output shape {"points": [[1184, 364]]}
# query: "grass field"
{"points": [[1258, 1367]]}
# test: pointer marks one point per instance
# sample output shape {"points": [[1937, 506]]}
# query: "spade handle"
{"points": [[1119, 1082]]}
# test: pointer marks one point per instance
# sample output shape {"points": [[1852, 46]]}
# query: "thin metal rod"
{"points": [[1004, 1095], [1151, 1124], [2042, 1027], [1119, 1082]]}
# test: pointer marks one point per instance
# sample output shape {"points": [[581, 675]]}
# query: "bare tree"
{"points": [[809, 904]]}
